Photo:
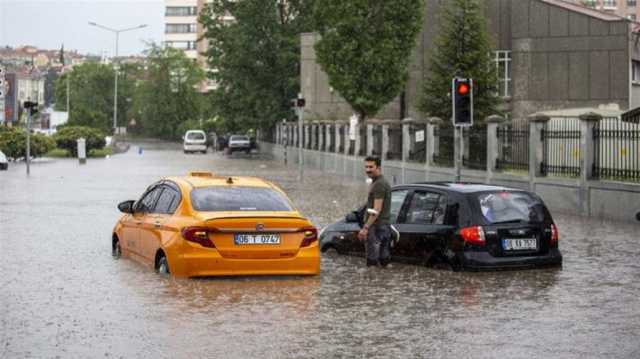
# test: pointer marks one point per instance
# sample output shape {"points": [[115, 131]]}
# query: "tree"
{"points": [[167, 96], [255, 57], [365, 48], [463, 48], [13, 143]]}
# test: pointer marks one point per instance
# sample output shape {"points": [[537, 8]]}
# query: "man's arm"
{"points": [[377, 207]]}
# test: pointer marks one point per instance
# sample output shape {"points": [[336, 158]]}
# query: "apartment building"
{"points": [[184, 32], [624, 8]]}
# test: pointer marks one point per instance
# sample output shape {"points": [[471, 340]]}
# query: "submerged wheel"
{"points": [[162, 266], [116, 250]]}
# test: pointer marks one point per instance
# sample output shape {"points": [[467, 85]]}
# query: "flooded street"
{"points": [[64, 296]]}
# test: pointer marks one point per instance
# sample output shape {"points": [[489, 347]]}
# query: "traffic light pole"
{"points": [[28, 158], [300, 154], [459, 157]]}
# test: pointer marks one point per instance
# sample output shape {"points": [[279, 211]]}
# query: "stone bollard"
{"points": [[492, 122], [82, 150]]}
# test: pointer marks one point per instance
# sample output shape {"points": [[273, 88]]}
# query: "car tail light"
{"points": [[198, 235], [555, 235], [473, 235], [310, 236]]}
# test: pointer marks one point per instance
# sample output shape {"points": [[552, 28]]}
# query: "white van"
{"points": [[4, 163], [195, 141]]}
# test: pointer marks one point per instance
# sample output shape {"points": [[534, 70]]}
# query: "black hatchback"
{"points": [[466, 226]]}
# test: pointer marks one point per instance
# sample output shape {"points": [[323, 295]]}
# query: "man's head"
{"points": [[372, 166]]}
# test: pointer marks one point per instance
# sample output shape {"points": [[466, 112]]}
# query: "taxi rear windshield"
{"points": [[510, 207], [218, 199]]}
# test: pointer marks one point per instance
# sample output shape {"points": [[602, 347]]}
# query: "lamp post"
{"points": [[115, 92]]}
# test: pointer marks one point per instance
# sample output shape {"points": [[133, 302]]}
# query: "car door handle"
{"points": [[138, 223]]}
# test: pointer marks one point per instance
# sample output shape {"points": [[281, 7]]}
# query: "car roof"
{"points": [[195, 131], [461, 187], [207, 179]]}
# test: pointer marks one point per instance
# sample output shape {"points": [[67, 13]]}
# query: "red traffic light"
{"points": [[463, 88]]}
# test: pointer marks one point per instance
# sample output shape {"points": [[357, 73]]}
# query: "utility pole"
{"points": [[299, 104], [32, 108]]}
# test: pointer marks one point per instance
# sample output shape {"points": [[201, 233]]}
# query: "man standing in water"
{"points": [[376, 230]]}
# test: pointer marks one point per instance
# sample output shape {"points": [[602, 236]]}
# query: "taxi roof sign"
{"points": [[200, 174]]}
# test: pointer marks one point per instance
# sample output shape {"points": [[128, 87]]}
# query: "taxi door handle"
{"points": [[138, 222]]}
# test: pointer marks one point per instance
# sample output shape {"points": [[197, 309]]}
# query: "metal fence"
{"points": [[513, 147], [561, 147], [616, 150], [443, 155], [475, 138], [417, 143]]}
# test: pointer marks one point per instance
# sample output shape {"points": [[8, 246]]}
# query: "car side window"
{"points": [[167, 202], [147, 202], [397, 199], [424, 208]]}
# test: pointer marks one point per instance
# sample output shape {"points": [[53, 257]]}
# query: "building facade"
{"points": [[549, 55], [183, 31], [625, 8]]}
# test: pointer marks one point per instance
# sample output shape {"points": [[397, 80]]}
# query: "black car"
{"points": [[462, 225]]}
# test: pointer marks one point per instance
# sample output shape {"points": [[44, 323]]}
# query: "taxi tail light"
{"points": [[555, 235], [473, 235], [198, 235], [310, 236]]}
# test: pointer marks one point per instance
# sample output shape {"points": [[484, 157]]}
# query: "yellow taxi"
{"points": [[206, 225]]}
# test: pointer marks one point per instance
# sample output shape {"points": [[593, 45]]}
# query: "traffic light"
{"points": [[298, 103], [31, 106], [462, 101]]}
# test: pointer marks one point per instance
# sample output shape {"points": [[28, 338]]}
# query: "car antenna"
{"points": [[229, 180]]}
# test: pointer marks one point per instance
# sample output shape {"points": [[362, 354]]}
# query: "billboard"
{"points": [[11, 99]]}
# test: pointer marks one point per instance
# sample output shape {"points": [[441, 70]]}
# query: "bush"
{"points": [[67, 137], [13, 143]]}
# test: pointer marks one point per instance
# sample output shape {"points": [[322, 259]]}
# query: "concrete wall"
{"points": [[565, 59]]}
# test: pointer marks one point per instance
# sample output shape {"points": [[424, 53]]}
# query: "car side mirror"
{"points": [[126, 206]]}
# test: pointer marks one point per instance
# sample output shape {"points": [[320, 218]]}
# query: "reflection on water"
{"points": [[64, 296]]}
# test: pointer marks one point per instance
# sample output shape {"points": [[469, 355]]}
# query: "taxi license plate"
{"points": [[241, 239], [519, 244]]}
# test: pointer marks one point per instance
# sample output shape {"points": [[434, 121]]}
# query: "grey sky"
{"points": [[48, 23]]}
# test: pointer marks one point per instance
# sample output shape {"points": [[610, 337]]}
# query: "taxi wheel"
{"points": [[162, 266], [116, 250]]}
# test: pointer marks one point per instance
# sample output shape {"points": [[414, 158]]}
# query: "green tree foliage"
{"points": [[257, 58], [13, 143], [463, 48], [168, 95], [365, 48], [66, 138], [91, 88]]}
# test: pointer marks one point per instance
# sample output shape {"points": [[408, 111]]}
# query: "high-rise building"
{"points": [[623, 8], [184, 32]]}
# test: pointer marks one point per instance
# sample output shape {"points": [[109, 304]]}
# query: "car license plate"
{"points": [[241, 239], [519, 244]]}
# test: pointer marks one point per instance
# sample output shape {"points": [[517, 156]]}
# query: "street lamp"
{"points": [[115, 92]]}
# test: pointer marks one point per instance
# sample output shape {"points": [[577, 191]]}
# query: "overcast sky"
{"points": [[49, 23]]}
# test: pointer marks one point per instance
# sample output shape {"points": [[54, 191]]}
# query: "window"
{"points": [[609, 4], [424, 208], [635, 71], [182, 45], [167, 202], [148, 201], [631, 17], [631, 3], [397, 199], [503, 68], [503, 207], [238, 199], [181, 11], [180, 28]]}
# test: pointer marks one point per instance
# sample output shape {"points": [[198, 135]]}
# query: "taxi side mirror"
{"points": [[126, 207]]}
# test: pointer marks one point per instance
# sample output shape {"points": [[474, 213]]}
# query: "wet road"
{"points": [[64, 296]]}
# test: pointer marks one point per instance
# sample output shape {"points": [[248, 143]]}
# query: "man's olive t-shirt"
{"points": [[380, 189]]}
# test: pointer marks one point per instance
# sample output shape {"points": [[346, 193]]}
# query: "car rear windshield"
{"points": [[239, 138], [195, 136], [238, 199], [506, 207]]}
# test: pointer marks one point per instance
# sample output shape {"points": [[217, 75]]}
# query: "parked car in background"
{"points": [[206, 225], [195, 141], [465, 226], [239, 143], [4, 163]]}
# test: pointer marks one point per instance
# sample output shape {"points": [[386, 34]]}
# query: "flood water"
{"points": [[62, 295]]}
